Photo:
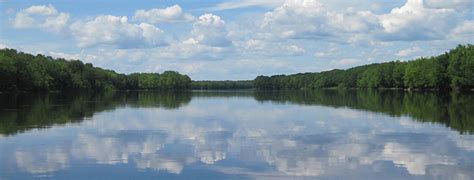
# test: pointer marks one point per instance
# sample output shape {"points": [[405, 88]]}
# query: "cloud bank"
{"points": [[306, 35]]}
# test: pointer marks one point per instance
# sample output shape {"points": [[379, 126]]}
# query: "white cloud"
{"points": [[56, 23], [350, 21], [193, 49], [414, 21], [254, 44], [168, 15], [302, 30], [312, 19], [464, 29], [296, 18], [293, 49], [41, 16], [41, 10], [79, 56], [258, 47], [346, 62], [408, 52], [210, 30], [319, 54], [116, 31]]}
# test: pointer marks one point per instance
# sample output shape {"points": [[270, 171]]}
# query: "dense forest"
{"points": [[222, 85], [25, 72], [452, 70]]}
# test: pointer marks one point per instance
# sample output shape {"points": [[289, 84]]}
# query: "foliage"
{"points": [[222, 85], [454, 69], [25, 72], [461, 66]]}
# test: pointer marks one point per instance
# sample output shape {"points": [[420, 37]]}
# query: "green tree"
{"points": [[461, 67]]}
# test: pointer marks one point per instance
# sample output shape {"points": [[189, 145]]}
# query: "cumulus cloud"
{"points": [[116, 31], [193, 49], [296, 18], [311, 19], [207, 41], [294, 49], [278, 31], [210, 30], [464, 29], [78, 56], [353, 21], [414, 21], [408, 52], [41, 16], [346, 62], [170, 14], [271, 49], [319, 54]]}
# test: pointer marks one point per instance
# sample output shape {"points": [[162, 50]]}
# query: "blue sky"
{"points": [[236, 39]]}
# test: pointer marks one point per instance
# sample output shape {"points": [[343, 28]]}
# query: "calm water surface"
{"points": [[237, 135]]}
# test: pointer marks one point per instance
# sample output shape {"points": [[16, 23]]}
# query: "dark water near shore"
{"points": [[326, 134]]}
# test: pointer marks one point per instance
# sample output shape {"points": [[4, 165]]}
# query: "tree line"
{"points": [[451, 70], [223, 85], [25, 72]]}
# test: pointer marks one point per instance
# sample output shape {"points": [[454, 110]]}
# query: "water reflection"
{"points": [[20, 112], [234, 136], [42, 160], [455, 110]]}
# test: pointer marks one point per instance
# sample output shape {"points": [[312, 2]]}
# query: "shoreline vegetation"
{"points": [[453, 70], [25, 72]]}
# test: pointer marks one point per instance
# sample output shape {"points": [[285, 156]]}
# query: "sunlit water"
{"points": [[243, 134]]}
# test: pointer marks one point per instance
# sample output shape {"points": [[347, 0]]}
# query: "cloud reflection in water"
{"points": [[240, 136]]}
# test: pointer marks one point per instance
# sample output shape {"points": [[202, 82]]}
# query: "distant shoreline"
{"points": [[451, 71]]}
